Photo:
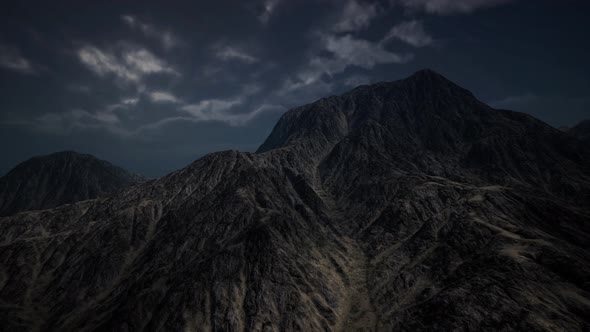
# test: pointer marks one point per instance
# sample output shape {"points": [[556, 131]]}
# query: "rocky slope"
{"points": [[60, 178], [405, 205], [581, 131]]}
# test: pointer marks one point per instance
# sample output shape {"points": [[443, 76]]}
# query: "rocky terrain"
{"points": [[581, 131], [406, 206], [60, 178]]}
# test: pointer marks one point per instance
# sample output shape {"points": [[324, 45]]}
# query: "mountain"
{"points": [[581, 131], [406, 205], [60, 178]]}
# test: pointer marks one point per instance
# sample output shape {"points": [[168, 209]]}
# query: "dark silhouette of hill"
{"points": [[60, 178]]}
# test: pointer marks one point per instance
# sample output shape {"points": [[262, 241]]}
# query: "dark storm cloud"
{"points": [[12, 59], [155, 85], [444, 7], [411, 32], [355, 16], [165, 37]]}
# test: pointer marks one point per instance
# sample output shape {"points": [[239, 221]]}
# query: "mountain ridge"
{"points": [[466, 120], [361, 212]]}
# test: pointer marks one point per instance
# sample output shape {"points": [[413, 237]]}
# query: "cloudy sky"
{"points": [[152, 86]]}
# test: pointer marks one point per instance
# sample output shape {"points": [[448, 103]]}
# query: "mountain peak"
{"points": [[426, 73], [422, 103], [67, 154], [59, 178], [430, 80]]}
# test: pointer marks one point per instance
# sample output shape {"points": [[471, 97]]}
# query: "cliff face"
{"points": [[407, 205], [59, 178]]}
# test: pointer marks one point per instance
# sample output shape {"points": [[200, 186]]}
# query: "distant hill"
{"points": [[60, 178]]}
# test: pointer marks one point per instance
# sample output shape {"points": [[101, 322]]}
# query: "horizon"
{"points": [[295, 165], [159, 89]]}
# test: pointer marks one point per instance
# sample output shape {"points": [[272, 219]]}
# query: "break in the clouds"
{"points": [[130, 64], [12, 59], [411, 32]]}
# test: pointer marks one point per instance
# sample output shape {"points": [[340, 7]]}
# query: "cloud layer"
{"points": [[130, 65], [197, 76], [12, 59], [411, 32], [228, 53], [355, 16], [445, 7], [165, 37]]}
